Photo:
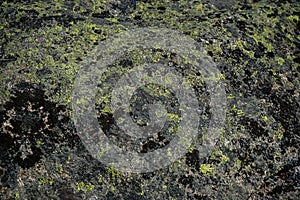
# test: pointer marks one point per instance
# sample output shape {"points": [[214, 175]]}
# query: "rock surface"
{"points": [[255, 45]]}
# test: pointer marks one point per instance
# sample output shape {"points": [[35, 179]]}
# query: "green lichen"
{"points": [[16, 195], [59, 168], [218, 155], [280, 60], [114, 173], [206, 169], [255, 48], [81, 186], [238, 164]]}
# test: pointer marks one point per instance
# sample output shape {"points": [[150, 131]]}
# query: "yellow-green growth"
{"points": [[85, 187], [206, 169], [238, 164], [114, 173], [280, 60], [17, 195], [174, 117], [219, 154]]}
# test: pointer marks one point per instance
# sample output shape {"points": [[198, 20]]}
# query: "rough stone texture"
{"points": [[255, 45]]}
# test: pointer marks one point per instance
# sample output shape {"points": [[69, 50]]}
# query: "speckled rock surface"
{"points": [[255, 45]]}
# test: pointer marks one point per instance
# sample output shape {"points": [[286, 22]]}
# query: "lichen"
{"points": [[254, 45]]}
